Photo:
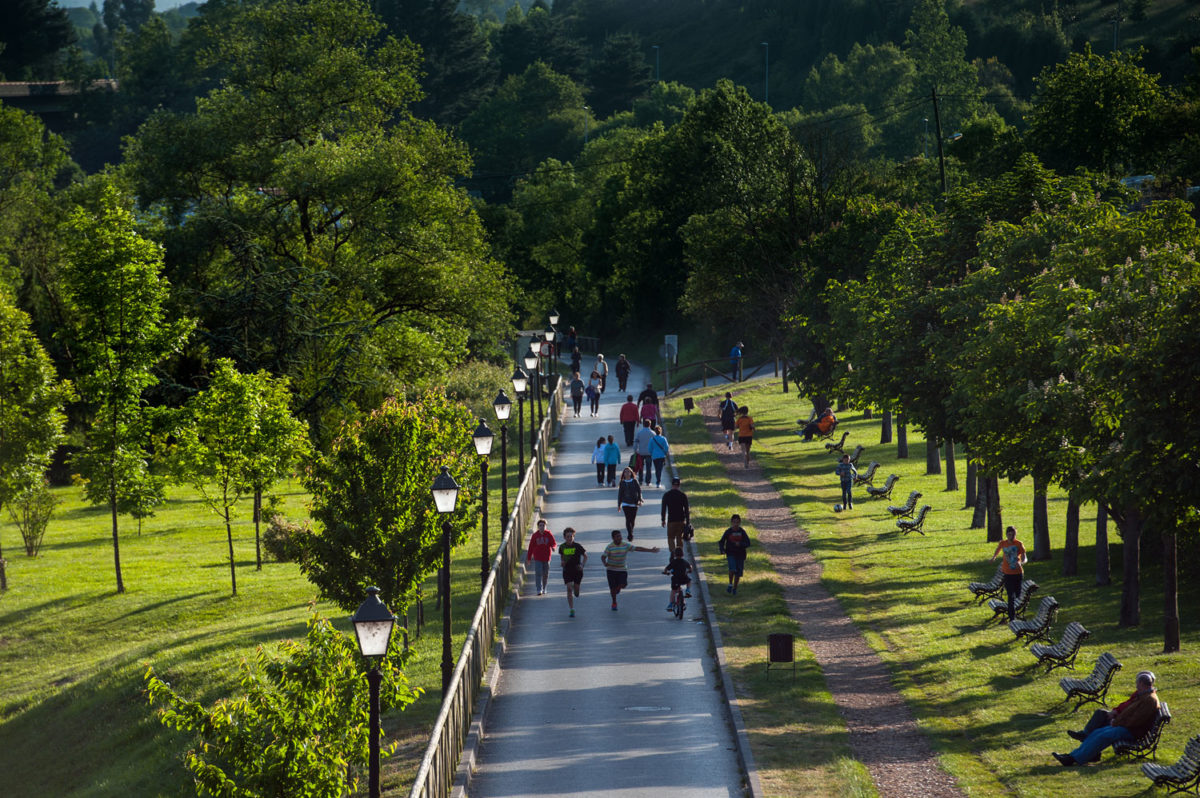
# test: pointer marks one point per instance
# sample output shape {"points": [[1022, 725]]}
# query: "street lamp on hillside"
{"points": [[445, 497], [373, 624], [503, 408], [520, 380], [482, 438]]}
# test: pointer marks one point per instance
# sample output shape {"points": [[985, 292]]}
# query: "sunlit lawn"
{"points": [[992, 716]]}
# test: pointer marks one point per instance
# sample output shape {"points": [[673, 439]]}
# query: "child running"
{"points": [[678, 568], [745, 428], [614, 557], [574, 557], [733, 545]]}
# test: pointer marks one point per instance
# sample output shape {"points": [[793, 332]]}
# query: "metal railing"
{"points": [[436, 774], [717, 370]]}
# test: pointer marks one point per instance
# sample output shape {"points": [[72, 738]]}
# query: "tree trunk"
{"points": [[785, 375], [3, 572], [885, 427], [901, 438], [1041, 521], [257, 536], [820, 402], [933, 458], [1070, 565], [229, 537], [1131, 524], [979, 517], [1103, 571], [951, 466], [112, 506], [841, 404], [994, 522], [972, 484], [1170, 594], [867, 414]]}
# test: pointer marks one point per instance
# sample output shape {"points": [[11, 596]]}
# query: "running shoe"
{"points": [[572, 613], [729, 589], [614, 606], [734, 591], [631, 536]]}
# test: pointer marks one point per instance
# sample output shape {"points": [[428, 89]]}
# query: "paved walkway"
{"points": [[606, 703]]}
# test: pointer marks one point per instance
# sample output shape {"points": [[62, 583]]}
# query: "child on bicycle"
{"points": [[678, 568]]}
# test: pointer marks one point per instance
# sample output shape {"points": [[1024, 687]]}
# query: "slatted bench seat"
{"points": [[886, 491], [1061, 654], [905, 510], [981, 591], [1095, 687], [1183, 776], [1039, 627], [1147, 744], [866, 477], [999, 606], [837, 447], [917, 524]]}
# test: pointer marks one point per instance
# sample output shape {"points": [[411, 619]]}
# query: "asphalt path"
{"points": [[607, 703]]}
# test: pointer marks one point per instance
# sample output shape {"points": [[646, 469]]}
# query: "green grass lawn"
{"points": [[993, 718], [73, 717]]}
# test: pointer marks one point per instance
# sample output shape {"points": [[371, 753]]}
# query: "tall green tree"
{"points": [[938, 49], [313, 224], [618, 75], [235, 438], [33, 33], [116, 294], [31, 402], [372, 501]]}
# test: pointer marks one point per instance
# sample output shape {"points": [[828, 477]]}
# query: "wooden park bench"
{"points": [[886, 491], [1147, 744], [1183, 776], [1095, 686], [833, 448], [858, 450], [865, 477], [985, 590], [917, 524], [1061, 654], [999, 606], [1039, 627], [905, 510]]}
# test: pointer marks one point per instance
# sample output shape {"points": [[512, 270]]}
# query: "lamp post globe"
{"points": [[531, 359], [482, 437], [373, 624], [519, 380], [554, 317]]}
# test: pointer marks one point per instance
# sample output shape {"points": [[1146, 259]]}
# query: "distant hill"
{"points": [[159, 5]]}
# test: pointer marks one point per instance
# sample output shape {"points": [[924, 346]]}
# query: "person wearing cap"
{"points": [[675, 515], [1128, 721]]}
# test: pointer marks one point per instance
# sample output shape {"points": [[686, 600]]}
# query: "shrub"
{"points": [[284, 540], [31, 511]]}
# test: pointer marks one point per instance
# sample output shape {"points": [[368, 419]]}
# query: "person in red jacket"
{"points": [[541, 545], [629, 418]]}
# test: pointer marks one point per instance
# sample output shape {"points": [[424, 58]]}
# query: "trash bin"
{"points": [[781, 650]]}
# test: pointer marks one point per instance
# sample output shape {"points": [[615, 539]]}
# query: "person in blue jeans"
{"points": [[1130, 720], [846, 472], [659, 448]]}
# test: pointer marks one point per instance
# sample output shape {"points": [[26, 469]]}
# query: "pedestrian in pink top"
{"points": [[541, 546]]}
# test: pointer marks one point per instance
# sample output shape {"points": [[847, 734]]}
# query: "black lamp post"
{"points": [[445, 496], [531, 365], [503, 408], [552, 374], [373, 624], [483, 447], [520, 380]]}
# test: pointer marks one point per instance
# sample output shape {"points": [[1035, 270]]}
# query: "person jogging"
{"points": [[614, 558], [728, 410], [745, 428], [574, 557]]}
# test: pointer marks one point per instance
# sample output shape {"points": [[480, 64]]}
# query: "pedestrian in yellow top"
{"points": [[1014, 557]]}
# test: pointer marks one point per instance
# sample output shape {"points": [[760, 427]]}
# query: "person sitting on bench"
{"points": [[1129, 721], [821, 426]]}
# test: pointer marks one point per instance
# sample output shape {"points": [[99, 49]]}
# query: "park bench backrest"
{"points": [[1049, 604], [1147, 744], [869, 474], [858, 450], [920, 519]]}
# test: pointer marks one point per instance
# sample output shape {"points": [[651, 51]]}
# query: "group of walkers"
{"points": [[643, 434]]}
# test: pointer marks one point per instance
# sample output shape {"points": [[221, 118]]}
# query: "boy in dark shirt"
{"points": [[574, 557], [733, 545], [678, 568]]}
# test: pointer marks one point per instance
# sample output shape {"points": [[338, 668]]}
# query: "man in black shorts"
{"points": [[614, 559], [574, 557], [728, 409]]}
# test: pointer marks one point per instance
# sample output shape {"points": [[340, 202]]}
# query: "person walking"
{"points": [[649, 412], [629, 498], [648, 396], [593, 395], [614, 559], [576, 388], [629, 418], [576, 359], [846, 473], [601, 368], [728, 409], [641, 447], [612, 457], [659, 449], [1012, 567], [675, 515], [541, 546], [573, 557], [623, 367], [745, 429], [598, 460], [735, 362], [733, 545]]}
